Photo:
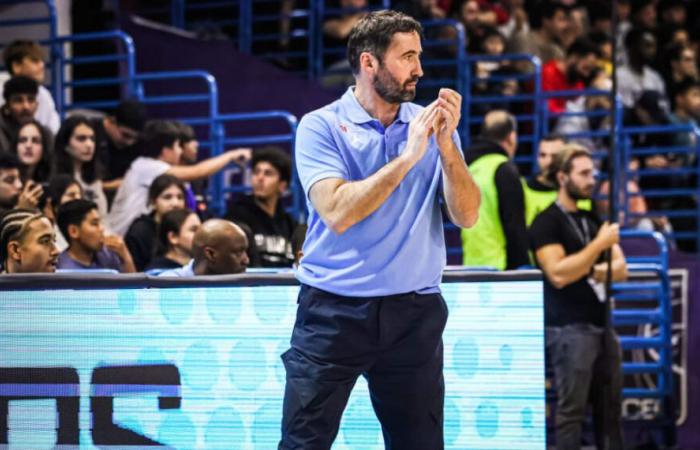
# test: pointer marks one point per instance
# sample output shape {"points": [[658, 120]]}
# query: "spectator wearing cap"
{"points": [[26, 58], [573, 73], [116, 139], [20, 107]]}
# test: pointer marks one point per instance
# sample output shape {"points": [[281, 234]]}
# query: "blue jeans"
{"points": [[395, 342], [583, 372]]}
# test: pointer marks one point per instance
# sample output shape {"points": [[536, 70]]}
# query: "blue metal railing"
{"points": [[679, 186], [652, 306], [124, 55], [219, 187], [532, 114]]}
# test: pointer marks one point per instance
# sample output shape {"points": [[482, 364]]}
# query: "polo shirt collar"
{"points": [[358, 115]]}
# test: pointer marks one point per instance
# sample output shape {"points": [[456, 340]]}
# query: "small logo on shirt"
{"points": [[343, 128]]}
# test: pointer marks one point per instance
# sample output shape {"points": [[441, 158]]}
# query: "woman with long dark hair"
{"points": [[175, 233], [166, 193], [74, 153], [33, 146]]}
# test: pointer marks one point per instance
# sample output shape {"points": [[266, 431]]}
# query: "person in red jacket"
{"points": [[572, 73]]}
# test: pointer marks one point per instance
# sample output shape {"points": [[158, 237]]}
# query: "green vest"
{"points": [[537, 201], [484, 244]]}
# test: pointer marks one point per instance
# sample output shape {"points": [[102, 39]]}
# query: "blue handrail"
{"points": [[125, 55]]}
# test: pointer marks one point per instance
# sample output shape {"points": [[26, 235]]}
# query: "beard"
{"points": [[390, 89], [578, 193]]}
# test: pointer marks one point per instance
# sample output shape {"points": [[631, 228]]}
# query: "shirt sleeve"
{"points": [[316, 154], [544, 231], [511, 210]]}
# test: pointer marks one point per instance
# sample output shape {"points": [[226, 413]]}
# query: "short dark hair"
{"points": [[551, 137], [373, 34], [161, 183], [91, 170], [157, 135], [546, 9], [18, 85], [685, 85], [73, 213], [18, 50], [278, 158], [186, 132], [131, 113], [564, 161], [8, 160], [171, 222], [499, 130], [635, 36], [582, 47]]}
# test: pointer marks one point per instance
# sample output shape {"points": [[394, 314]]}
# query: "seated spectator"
{"points": [[336, 31], [219, 247], [681, 63], [27, 242], [271, 226], [19, 108], [578, 124], [421, 9], [175, 235], [550, 23], [499, 239], [166, 193], [88, 246], [570, 74], [637, 77], [686, 112], [61, 189], [116, 139], [33, 146], [161, 154], [26, 58], [13, 192], [604, 44], [75, 155], [673, 13], [492, 43]]}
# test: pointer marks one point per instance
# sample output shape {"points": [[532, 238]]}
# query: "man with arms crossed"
{"points": [[373, 167], [570, 246]]}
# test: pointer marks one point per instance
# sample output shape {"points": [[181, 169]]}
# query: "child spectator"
{"points": [[88, 246], [61, 189], [175, 234], [166, 193]]}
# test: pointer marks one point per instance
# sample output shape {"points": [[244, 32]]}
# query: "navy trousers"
{"points": [[395, 342]]}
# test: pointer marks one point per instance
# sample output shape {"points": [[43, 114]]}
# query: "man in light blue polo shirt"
{"points": [[373, 168]]}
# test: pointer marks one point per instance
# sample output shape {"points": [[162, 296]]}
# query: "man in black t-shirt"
{"points": [[569, 246], [270, 226]]}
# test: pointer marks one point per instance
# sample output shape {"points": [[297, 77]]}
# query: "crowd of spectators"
{"points": [[115, 191]]}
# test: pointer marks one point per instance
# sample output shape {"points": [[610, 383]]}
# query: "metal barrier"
{"points": [[675, 190], [655, 296], [531, 112], [124, 55], [282, 120]]}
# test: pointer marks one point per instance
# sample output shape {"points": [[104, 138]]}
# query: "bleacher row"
{"points": [[163, 88]]}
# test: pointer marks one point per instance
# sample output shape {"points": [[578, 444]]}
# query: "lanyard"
{"points": [[585, 235]]}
